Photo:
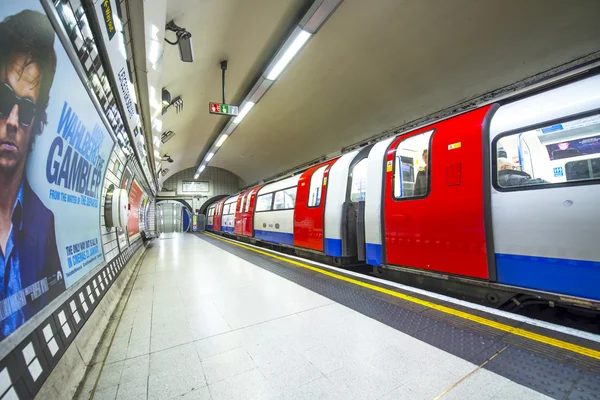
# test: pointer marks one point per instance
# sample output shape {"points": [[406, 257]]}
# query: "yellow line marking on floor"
{"points": [[447, 310]]}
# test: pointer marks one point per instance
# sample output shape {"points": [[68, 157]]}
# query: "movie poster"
{"points": [[54, 150], [135, 199]]}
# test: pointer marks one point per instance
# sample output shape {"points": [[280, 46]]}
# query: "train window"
{"points": [[243, 203], [285, 199], [316, 187], [263, 203], [412, 154], [289, 197], [358, 188], [278, 203], [564, 152], [248, 202]]}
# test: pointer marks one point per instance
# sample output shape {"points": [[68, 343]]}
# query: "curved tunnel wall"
{"points": [[213, 181], [72, 267]]}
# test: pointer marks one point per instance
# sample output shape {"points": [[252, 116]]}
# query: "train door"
{"points": [[209, 217], [217, 217], [353, 226], [310, 203], [545, 207], [248, 219], [434, 211], [374, 203], [335, 245], [239, 214]]}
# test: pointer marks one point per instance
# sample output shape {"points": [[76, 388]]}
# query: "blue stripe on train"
{"points": [[558, 275], [333, 247], [209, 227], [275, 237], [227, 229], [374, 254]]}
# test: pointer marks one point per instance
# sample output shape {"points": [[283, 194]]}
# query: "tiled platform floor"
{"points": [[201, 323]]}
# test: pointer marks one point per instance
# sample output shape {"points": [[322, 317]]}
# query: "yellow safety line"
{"points": [[461, 314]]}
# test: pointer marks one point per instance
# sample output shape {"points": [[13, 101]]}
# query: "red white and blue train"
{"points": [[500, 201]]}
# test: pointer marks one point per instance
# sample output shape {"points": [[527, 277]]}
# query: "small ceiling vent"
{"points": [[165, 171], [166, 136]]}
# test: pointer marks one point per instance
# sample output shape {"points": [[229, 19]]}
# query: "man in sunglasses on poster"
{"points": [[30, 271]]}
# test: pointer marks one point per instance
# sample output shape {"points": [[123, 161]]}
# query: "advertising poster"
{"points": [[574, 148], [54, 150], [135, 199]]}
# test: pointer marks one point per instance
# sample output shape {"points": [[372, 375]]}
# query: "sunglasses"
{"points": [[8, 99]]}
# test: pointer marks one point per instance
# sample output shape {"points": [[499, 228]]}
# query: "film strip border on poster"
{"points": [[26, 368]]}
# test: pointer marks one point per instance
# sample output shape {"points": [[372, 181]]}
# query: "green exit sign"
{"points": [[223, 109]]}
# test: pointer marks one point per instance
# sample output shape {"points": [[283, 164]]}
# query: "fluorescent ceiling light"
{"points": [[245, 110], [202, 168], [221, 140], [196, 176], [289, 53], [209, 156]]}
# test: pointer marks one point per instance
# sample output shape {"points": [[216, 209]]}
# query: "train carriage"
{"points": [[228, 214], [274, 211], [504, 197]]}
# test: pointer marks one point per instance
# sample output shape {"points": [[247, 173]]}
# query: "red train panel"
{"points": [[444, 229], [217, 217], [245, 211], [308, 221]]}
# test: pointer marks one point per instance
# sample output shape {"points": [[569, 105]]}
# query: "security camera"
{"points": [[184, 40]]}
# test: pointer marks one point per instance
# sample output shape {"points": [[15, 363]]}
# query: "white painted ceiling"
{"points": [[373, 66]]}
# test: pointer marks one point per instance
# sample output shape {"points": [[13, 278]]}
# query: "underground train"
{"points": [[499, 204]]}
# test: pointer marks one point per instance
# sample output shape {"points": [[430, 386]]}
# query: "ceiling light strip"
{"points": [[314, 18], [292, 46]]}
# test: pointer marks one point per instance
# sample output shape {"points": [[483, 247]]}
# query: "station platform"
{"points": [[204, 317]]}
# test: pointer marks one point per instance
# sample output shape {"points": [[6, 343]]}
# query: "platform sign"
{"points": [[223, 109]]}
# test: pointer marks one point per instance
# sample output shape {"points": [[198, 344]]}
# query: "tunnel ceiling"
{"points": [[373, 66]]}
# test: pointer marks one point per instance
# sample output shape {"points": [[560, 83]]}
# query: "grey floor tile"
{"points": [[214, 345], [166, 341], [138, 347], [327, 358], [196, 394], [136, 389], [270, 352], [109, 393], [318, 389], [167, 386], [111, 375], [364, 380], [247, 385], [170, 361], [291, 372], [403, 393], [428, 383], [117, 352], [135, 369], [226, 365]]}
